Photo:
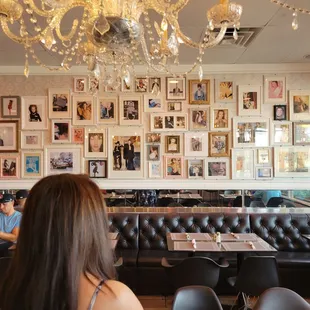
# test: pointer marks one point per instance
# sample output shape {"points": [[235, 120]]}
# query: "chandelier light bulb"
{"points": [[164, 24], [295, 21], [200, 73], [211, 26], [235, 34]]}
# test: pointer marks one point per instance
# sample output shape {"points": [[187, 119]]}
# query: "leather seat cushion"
{"points": [[293, 259], [129, 257], [152, 258]]}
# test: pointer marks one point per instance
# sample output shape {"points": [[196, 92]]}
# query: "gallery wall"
{"points": [[39, 85]]}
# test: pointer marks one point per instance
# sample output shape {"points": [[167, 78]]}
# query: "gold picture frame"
{"points": [[199, 92], [219, 144]]}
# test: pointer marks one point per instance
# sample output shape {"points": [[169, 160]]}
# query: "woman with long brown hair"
{"points": [[63, 258]]}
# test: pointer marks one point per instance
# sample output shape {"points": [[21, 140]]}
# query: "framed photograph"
{"points": [[302, 133], [78, 135], [196, 144], [174, 106], [251, 132], [199, 119], [8, 136], [153, 103], [10, 167], [34, 113], [98, 168], [130, 110], [173, 144], [155, 170], [281, 133], [199, 92], [217, 168], [274, 89], [32, 164], [63, 159], [292, 161], [174, 167], [155, 85], [80, 85], [126, 153], [242, 162], [142, 85], [299, 105], [126, 86], [264, 157], [263, 173], [168, 122], [154, 138], [31, 139], [82, 110], [220, 119], [95, 143], [249, 103], [61, 131], [10, 106], [176, 88], [279, 112], [112, 88], [225, 91], [153, 152], [59, 103], [107, 110], [219, 144], [93, 84], [195, 169]]}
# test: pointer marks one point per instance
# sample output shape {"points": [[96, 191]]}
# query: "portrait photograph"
{"points": [[264, 173], [153, 152], [242, 161], [174, 106], [181, 122], [168, 122], [249, 102], [31, 139], [196, 144], [10, 106], [155, 85], [97, 168], [32, 165], [299, 105], [176, 88], [141, 85], [220, 120], [126, 153], [195, 168], [173, 144], [80, 85], [274, 89], [153, 103], [199, 92], [77, 135], [93, 84], [279, 113], [174, 167], [59, 103], [153, 137], [10, 167], [158, 122], [130, 110], [282, 133], [107, 112], [8, 136], [219, 144], [34, 113], [264, 156], [199, 119], [302, 133], [83, 110], [217, 168], [62, 159], [95, 143], [126, 85], [225, 91], [61, 131], [155, 170]]}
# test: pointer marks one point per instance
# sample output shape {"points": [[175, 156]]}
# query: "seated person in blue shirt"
{"points": [[9, 219], [266, 195]]}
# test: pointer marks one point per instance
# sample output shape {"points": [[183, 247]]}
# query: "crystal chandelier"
{"points": [[112, 36]]}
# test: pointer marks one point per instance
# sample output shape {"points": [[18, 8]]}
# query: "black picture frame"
{"points": [[92, 166], [280, 112]]}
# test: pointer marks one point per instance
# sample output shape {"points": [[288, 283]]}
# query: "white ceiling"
{"points": [[275, 43]]}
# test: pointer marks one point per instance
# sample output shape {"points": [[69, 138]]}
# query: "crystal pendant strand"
{"points": [[295, 21]]}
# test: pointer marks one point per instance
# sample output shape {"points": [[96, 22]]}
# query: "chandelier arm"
{"points": [[177, 7], [218, 38], [70, 35], [37, 10]]}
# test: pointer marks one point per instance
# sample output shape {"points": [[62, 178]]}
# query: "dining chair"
{"points": [[196, 298], [281, 298], [257, 204], [194, 271], [174, 204], [274, 202]]}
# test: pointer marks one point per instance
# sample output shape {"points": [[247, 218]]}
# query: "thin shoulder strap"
{"points": [[94, 297]]}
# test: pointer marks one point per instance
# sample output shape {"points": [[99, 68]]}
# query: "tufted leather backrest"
{"points": [[126, 224], [153, 227], [282, 231]]}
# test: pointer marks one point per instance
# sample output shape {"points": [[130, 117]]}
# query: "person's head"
{"points": [[279, 112], [95, 142], [274, 84], [63, 236], [220, 114], [11, 101], [21, 197], [172, 141], [33, 108], [199, 86], [129, 141], [7, 204]]}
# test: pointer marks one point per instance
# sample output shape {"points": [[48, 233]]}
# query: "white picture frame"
{"points": [[32, 164], [196, 144], [168, 122], [217, 168], [153, 103], [195, 168], [225, 91], [155, 85], [199, 119], [299, 105], [95, 143], [155, 170], [242, 164], [63, 158], [220, 119], [37, 118], [175, 88], [263, 156], [59, 103], [61, 131], [281, 133], [249, 100], [274, 89], [130, 110], [264, 173], [80, 84], [174, 106], [82, 110], [30, 139], [107, 110]]}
